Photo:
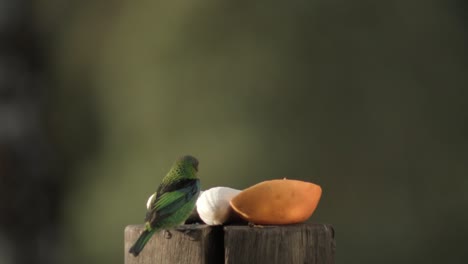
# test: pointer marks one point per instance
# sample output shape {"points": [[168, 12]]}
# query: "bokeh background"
{"points": [[366, 98]]}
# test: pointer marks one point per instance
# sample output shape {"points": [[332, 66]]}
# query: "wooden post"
{"points": [[201, 244], [194, 244], [292, 244]]}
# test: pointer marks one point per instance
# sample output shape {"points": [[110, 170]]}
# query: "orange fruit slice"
{"points": [[277, 202]]}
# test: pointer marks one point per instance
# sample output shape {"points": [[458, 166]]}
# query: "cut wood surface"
{"points": [[301, 243], [236, 244], [194, 244]]}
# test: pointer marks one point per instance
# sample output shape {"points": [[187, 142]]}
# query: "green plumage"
{"points": [[174, 200]]}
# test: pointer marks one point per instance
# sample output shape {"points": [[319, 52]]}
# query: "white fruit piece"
{"points": [[150, 201], [213, 205]]}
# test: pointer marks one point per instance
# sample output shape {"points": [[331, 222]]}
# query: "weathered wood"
{"points": [[197, 244], [194, 244], [301, 243]]}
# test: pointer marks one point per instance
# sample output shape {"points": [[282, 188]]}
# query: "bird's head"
{"points": [[188, 160]]}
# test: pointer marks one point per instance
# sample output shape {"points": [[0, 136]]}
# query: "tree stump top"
{"points": [[197, 244]]}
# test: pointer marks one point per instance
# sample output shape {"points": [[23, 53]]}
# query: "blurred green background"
{"points": [[367, 99]]}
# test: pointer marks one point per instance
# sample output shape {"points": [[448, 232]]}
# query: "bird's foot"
{"points": [[254, 225], [191, 226], [167, 234], [191, 236], [188, 231]]}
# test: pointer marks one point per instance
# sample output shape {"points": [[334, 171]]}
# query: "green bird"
{"points": [[173, 202]]}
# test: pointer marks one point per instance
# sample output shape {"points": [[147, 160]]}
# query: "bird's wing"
{"points": [[171, 197]]}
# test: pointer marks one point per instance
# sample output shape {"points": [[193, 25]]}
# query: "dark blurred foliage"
{"points": [[30, 184], [365, 98]]}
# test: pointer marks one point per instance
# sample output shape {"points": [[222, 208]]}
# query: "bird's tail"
{"points": [[141, 242]]}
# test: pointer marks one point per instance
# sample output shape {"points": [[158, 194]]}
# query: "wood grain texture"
{"points": [[292, 244], [194, 244]]}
